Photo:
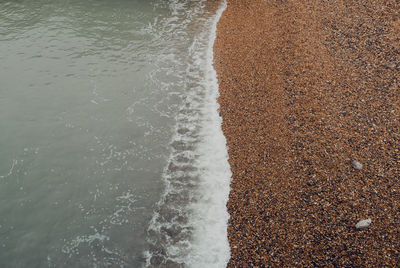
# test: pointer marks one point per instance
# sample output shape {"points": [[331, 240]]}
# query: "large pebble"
{"points": [[363, 224], [356, 165]]}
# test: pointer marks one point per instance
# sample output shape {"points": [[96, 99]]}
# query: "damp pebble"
{"points": [[356, 165], [363, 224]]}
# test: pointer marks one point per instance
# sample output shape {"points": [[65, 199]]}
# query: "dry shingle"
{"points": [[306, 87]]}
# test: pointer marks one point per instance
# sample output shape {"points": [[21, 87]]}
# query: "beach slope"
{"points": [[310, 101]]}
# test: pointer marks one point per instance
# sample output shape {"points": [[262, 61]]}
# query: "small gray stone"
{"points": [[356, 165], [363, 224]]}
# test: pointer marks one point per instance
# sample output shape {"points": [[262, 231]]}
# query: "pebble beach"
{"points": [[310, 102]]}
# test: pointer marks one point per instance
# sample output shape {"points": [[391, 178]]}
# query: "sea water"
{"points": [[111, 150]]}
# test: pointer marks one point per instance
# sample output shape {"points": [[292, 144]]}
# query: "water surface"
{"points": [[98, 100]]}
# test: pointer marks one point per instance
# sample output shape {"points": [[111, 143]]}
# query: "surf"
{"points": [[189, 225]]}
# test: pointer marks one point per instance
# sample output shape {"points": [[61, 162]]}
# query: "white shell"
{"points": [[363, 224]]}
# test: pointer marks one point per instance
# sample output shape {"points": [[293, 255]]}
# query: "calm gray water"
{"points": [[108, 132]]}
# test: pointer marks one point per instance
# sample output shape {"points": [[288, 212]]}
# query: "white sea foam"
{"points": [[210, 247], [189, 226]]}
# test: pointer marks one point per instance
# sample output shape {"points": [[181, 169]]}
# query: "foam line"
{"points": [[210, 246], [189, 225]]}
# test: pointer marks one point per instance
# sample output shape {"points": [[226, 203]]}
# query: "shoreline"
{"points": [[305, 89], [189, 224]]}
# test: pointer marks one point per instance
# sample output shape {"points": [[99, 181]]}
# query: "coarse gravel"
{"points": [[307, 88]]}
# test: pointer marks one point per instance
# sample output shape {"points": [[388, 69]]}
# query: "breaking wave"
{"points": [[189, 225]]}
